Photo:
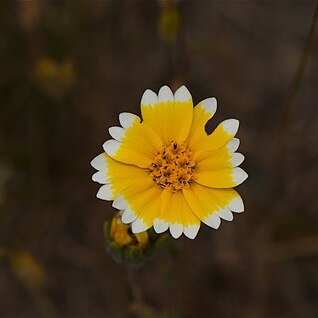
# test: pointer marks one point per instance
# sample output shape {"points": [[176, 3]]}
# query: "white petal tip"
{"points": [[237, 159], [225, 214], [182, 94], [213, 220], [139, 226], [160, 226], [105, 193], [101, 177], [233, 145], [128, 216], [191, 231], [165, 94], [231, 126], [99, 162], [111, 146], [209, 105], [127, 119], [116, 132], [239, 176], [119, 203], [149, 98], [176, 230], [237, 205]]}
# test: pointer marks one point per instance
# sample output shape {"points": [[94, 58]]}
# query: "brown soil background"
{"points": [[68, 69]]}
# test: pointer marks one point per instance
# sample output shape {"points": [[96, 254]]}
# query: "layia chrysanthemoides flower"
{"points": [[165, 171]]}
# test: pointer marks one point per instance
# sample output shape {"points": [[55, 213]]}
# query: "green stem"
{"points": [[135, 291]]}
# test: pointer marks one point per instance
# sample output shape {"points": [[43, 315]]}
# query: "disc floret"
{"points": [[173, 168]]}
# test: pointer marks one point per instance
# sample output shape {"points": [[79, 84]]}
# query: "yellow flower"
{"points": [[27, 269], [54, 77], [165, 171], [122, 236]]}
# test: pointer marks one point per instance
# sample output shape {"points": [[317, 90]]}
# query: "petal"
{"points": [[218, 159], [149, 98], [170, 116], [117, 132], [211, 204], [191, 231], [237, 205], [121, 176], [160, 226], [128, 216], [143, 205], [221, 178], [201, 114], [213, 220], [237, 159], [223, 133], [105, 192], [233, 145], [176, 230], [137, 144], [139, 226], [165, 95], [209, 105], [225, 214], [111, 146], [127, 119], [101, 177], [100, 162], [182, 95], [239, 175], [146, 207], [119, 203], [176, 212]]}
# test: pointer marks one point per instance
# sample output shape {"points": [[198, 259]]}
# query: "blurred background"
{"points": [[68, 68]]}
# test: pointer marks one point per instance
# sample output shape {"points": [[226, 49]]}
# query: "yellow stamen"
{"points": [[173, 169]]}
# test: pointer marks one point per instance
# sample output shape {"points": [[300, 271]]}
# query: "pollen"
{"points": [[173, 168]]}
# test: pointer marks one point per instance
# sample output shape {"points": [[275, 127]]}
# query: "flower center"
{"points": [[173, 169]]}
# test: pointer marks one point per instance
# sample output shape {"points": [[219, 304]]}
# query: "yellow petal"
{"points": [[137, 144], [221, 158], [210, 204], [201, 114], [117, 176], [222, 135], [143, 204], [133, 192], [221, 178], [170, 116], [122, 176], [177, 214]]}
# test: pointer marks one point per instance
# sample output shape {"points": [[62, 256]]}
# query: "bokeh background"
{"points": [[68, 68]]}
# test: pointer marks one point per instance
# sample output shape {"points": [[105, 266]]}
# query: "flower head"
{"points": [[127, 247], [121, 235], [165, 171]]}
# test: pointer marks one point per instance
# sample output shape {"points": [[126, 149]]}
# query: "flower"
{"points": [[26, 268], [127, 247], [120, 233], [165, 171], [54, 77]]}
